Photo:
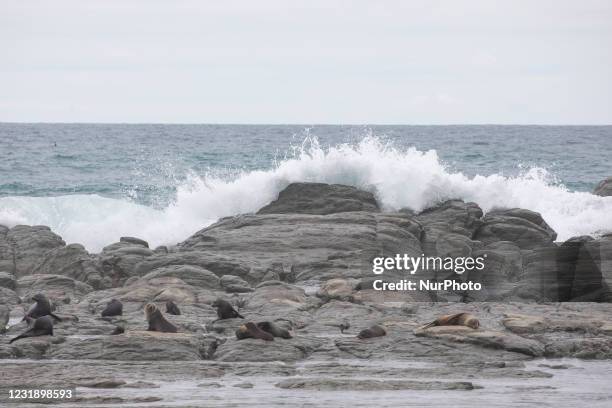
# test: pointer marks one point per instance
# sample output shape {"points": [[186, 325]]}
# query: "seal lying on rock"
{"points": [[157, 321], [42, 326], [225, 310], [41, 308], [251, 331], [172, 308], [113, 308], [457, 319], [374, 331], [274, 329]]}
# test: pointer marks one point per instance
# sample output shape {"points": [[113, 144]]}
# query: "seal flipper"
{"points": [[21, 336], [428, 325], [30, 333], [55, 317], [453, 319]]}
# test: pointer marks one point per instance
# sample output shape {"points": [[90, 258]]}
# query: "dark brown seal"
{"points": [[274, 329], [457, 319], [157, 321], [251, 331], [41, 308], [113, 308], [374, 331], [225, 310], [172, 308], [43, 326]]}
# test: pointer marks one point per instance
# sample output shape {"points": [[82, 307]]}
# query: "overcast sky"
{"points": [[280, 61]]}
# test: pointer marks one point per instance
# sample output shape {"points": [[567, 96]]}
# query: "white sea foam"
{"points": [[399, 178]]}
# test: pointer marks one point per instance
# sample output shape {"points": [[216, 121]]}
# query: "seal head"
{"points": [[157, 321]]}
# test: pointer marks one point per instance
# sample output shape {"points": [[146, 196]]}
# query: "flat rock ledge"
{"points": [[335, 384]]}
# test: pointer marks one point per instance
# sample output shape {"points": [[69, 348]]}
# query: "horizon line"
{"points": [[297, 124]]}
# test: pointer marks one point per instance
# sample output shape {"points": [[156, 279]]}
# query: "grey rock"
{"points": [[136, 346], [160, 289], [9, 297], [212, 261], [584, 348], [447, 230], [333, 384], [162, 249], [529, 324], [275, 296], [485, 338], [540, 279], [210, 385], [604, 188], [567, 261], [7, 259], [140, 385], [456, 216], [117, 262], [592, 280], [102, 383], [58, 288], [33, 347], [134, 241], [73, 261], [310, 247], [338, 289], [7, 280], [28, 247], [503, 268], [525, 228], [260, 350], [4, 317], [320, 199], [235, 284], [191, 275], [243, 385]]}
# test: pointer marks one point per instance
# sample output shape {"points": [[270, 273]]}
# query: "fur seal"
{"points": [[42, 326], [344, 326], [118, 330], [274, 329], [374, 331], [225, 310], [172, 308], [41, 308], [157, 321], [457, 319], [250, 330], [113, 308]]}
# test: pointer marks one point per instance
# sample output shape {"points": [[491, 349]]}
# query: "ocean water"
{"points": [[92, 183]]}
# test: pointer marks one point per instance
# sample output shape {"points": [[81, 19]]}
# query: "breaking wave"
{"points": [[400, 178]]}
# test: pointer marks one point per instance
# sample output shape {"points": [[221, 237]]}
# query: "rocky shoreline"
{"points": [[304, 261]]}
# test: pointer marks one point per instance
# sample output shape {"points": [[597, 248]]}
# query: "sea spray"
{"points": [[399, 177]]}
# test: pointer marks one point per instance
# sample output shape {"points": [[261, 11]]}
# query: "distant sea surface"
{"points": [[95, 182]]}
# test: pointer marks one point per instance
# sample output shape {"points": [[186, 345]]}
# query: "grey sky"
{"points": [[306, 61]]}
